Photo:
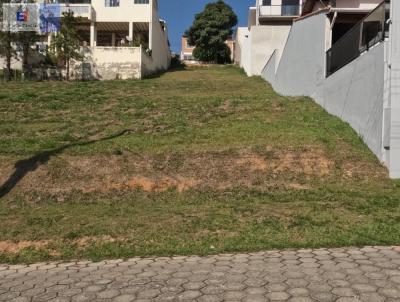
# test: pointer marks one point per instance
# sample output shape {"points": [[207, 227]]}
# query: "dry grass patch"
{"points": [[193, 159], [211, 170]]}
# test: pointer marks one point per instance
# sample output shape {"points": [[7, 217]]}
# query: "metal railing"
{"points": [[279, 10], [365, 34], [77, 9]]}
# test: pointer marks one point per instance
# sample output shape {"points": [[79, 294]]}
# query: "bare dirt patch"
{"points": [[363, 170], [15, 247], [253, 162], [309, 162], [158, 184], [261, 169], [87, 240]]}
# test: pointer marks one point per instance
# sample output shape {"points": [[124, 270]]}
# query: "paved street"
{"points": [[369, 274]]}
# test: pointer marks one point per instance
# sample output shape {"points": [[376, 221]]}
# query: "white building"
{"points": [[268, 27], [121, 39]]}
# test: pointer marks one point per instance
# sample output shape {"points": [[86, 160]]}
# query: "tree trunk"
{"points": [[8, 68], [67, 69], [8, 57], [25, 54]]}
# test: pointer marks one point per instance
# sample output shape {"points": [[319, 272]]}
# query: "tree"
{"points": [[25, 40], [6, 42], [210, 29], [66, 43]]}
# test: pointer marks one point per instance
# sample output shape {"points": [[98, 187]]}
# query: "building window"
{"points": [[266, 2], [141, 2], [112, 3]]}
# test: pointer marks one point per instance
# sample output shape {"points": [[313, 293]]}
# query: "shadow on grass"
{"points": [[23, 167], [173, 68]]}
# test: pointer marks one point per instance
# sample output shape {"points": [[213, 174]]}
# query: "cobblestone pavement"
{"points": [[348, 274]]}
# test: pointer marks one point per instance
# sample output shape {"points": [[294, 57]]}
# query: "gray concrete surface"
{"points": [[355, 93], [394, 62], [370, 274]]}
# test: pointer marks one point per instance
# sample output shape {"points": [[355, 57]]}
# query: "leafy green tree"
{"points": [[67, 43], [210, 29], [25, 40], [7, 38]]}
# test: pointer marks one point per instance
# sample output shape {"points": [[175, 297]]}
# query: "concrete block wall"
{"points": [[160, 58], [394, 78], [108, 63], [257, 44], [300, 70], [265, 39], [354, 93], [243, 50]]}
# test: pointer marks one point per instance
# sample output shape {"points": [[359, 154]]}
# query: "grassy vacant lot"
{"points": [[195, 161]]}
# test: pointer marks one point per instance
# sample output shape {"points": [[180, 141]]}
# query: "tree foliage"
{"points": [[7, 38], [67, 43], [210, 29], [10, 41], [25, 40]]}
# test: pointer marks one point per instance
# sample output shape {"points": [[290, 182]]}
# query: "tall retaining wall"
{"points": [[255, 46], [354, 93], [394, 89]]}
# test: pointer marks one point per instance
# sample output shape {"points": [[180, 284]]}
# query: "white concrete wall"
{"points": [[352, 4], [264, 40], [160, 58], [109, 63], [355, 93], [254, 47], [127, 11], [15, 64], [302, 65], [394, 61], [243, 48], [361, 4]]}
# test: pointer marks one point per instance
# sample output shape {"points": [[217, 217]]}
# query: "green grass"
{"points": [[225, 165]]}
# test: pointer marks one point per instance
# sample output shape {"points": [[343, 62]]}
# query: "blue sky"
{"points": [[179, 15]]}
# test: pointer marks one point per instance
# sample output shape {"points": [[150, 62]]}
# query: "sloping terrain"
{"points": [[198, 160]]}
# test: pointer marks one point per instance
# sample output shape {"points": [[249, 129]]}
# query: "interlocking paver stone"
{"points": [[370, 274]]}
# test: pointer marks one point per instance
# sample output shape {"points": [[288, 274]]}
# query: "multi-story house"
{"points": [[187, 50], [120, 38], [268, 27]]}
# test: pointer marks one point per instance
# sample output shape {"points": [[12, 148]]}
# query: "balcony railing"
{"points": [[279, 10], [79, 10], [365, 34]]}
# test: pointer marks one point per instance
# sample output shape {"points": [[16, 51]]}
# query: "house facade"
{"points": [[187, 57], [269, 24], [350, 66], [120, 39]]}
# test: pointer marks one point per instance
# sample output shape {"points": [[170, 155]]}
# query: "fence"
{"points": [[365, 34], [279, 10]]}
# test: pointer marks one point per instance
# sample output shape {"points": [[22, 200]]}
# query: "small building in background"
{"points": [[187, 51]]}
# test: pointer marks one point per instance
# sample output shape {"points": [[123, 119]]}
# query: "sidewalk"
{"points": [[369, 274]]}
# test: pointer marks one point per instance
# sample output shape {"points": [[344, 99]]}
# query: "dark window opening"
{"points": [[339, 30], [343, 24], [348, 45]]}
